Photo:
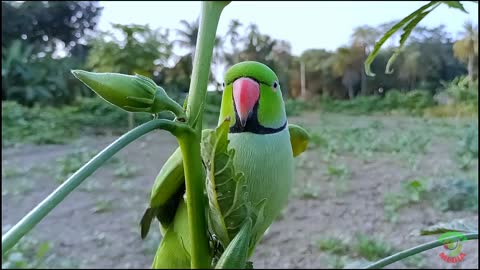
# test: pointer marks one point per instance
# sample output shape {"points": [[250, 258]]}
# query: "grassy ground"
{"points": [[363, 188]]}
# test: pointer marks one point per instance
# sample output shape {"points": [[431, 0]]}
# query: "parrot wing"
{"points": [[174, 250], [167, 191], [298, 138]]}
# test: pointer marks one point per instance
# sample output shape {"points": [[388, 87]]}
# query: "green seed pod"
{"points": [[131, 93]]}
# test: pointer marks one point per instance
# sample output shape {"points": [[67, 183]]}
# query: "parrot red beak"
{"points": [[245, 94]]}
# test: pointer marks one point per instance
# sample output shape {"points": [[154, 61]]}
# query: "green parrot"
{"points": [[261, 149]]}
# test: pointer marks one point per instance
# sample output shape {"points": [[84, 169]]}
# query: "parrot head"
{"points": [[252, 98]]}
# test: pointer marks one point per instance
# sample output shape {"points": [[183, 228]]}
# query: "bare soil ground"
{"points": [[97, 225]]}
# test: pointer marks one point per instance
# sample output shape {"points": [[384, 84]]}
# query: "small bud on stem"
{"points": [[131, 93]]}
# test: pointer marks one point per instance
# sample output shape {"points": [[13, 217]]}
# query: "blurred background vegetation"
{"points": [[43, 103], [361, 128], [43, 41]]}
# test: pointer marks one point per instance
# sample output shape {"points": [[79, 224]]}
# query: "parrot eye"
{"points": [[223, 84], [275, 85]]}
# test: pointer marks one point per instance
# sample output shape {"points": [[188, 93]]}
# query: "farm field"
{"points": [[363, 189]]}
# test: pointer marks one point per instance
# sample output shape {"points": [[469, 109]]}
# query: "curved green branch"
{"points": [[409, 252], [27, 223]]}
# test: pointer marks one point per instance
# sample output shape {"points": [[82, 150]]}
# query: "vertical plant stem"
{"points": [[190, 145], [27, 223]]}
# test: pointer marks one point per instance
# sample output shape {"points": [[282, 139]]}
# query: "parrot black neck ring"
{"points": [[252, 125]]}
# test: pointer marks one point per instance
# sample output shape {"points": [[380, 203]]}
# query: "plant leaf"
{"points": [[407, 31], [378, 45], [226, 189], [457, 225], [455, 4], [43, 249]]}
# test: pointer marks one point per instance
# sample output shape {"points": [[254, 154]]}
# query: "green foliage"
{"points": [[45, 23], [8, 173], [70, 163], [451, 194], [38, 80], [31, 253], [28, 253], [412, 191], [125, 170], [295, 107], [102, 206], [213, 101], [456, 225], [340, 175], [31, 71], [139, 48], [462, 91], [408, 24], [333, 245], [467, 149], [455, 194], [412, 102], [308, 190], [42, 125], [372, 248], [49, 125], [336, 262], [363, 246], [225, 187], [469, 143], [345, 135]]}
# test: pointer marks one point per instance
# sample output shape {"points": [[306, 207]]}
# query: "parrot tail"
{"points": [[173, 251]]}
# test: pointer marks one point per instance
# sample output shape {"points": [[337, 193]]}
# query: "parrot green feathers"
{"points": [[248, 167]]}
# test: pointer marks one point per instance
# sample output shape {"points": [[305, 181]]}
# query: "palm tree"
{"points": [[466, 49], [218, 58], [409, 67], [347, 62], [251, 41], [188, 39], [364, 37], [233, 35], [188, 36], [282, 58], [385, 27], [258, 46]]}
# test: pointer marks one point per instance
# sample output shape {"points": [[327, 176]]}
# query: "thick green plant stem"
{"points": [[190, 145], [409, 252], [41, 210]]}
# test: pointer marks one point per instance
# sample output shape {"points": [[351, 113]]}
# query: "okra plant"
{"points": [[221, 189]]}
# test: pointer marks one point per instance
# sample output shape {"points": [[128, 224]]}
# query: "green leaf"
{"points": [[389, 33], [235, 255], [407, 31], [455, 4], [457, 225], [43, 249], [185, 102], [226, 189]]}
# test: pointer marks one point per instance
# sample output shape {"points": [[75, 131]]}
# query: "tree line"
{"points": [[43, 41]]}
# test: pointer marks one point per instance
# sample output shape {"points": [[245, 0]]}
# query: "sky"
{"points": [[305, 25], [322, 24]]}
